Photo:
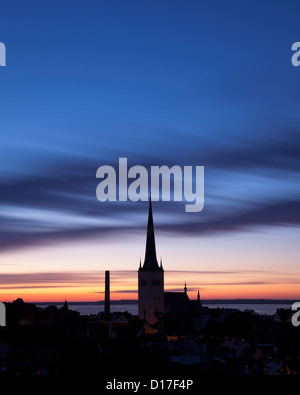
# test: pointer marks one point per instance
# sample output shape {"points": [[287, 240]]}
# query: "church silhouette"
{"points": [[153, 301]]}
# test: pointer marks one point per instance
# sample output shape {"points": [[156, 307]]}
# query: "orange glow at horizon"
{"points": [[210, 288], [217, 266]]}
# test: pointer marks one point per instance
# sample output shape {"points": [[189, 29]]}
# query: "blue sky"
{"points": [[163, 82]]}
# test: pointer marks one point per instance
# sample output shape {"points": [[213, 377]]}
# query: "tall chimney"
{"points": [[107, 297]]}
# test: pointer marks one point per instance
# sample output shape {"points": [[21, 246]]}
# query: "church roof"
{"points": [[150, 262], [176, 298]]}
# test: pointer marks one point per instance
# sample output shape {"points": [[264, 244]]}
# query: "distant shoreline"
{"points": [[204, 301]]}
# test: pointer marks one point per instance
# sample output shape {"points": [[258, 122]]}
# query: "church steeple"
{"points": [[199, 305], [150, 263], [150, 279]]}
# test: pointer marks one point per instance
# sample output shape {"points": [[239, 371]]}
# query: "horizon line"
{"points": [[133, 301]]}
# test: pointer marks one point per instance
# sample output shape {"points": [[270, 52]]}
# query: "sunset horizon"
{"points": [[249, 282]]}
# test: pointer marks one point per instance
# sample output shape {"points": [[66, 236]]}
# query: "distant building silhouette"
{"points": [[108, 325], [107, 293], [48, 317], [26, 316], [65, 312]]}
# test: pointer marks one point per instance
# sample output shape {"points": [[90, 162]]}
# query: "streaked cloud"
{"points": [[244, 187]]}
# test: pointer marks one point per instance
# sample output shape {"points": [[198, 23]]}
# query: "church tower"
{"points": [[150, 278]]}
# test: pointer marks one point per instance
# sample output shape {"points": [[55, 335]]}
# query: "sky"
{"points": [[197, 83]]}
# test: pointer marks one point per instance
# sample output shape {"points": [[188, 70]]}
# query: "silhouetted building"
{"points": [[152, 300], [108, 326], [150, 279], [26, 316], [65, 312], [283, 316], [107, 293], [196, 304], [48, 317], [176, 300]]}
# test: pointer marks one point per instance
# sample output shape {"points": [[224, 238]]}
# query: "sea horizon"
{"points": [[259, 306], [205, 301]]}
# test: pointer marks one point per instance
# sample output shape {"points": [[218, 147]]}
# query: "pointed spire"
{"points": [[198, 300], [65, 306], [185, 288], [150, 262]]}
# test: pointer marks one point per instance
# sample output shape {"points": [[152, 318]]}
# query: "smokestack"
{"points": [[107, 297]]}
